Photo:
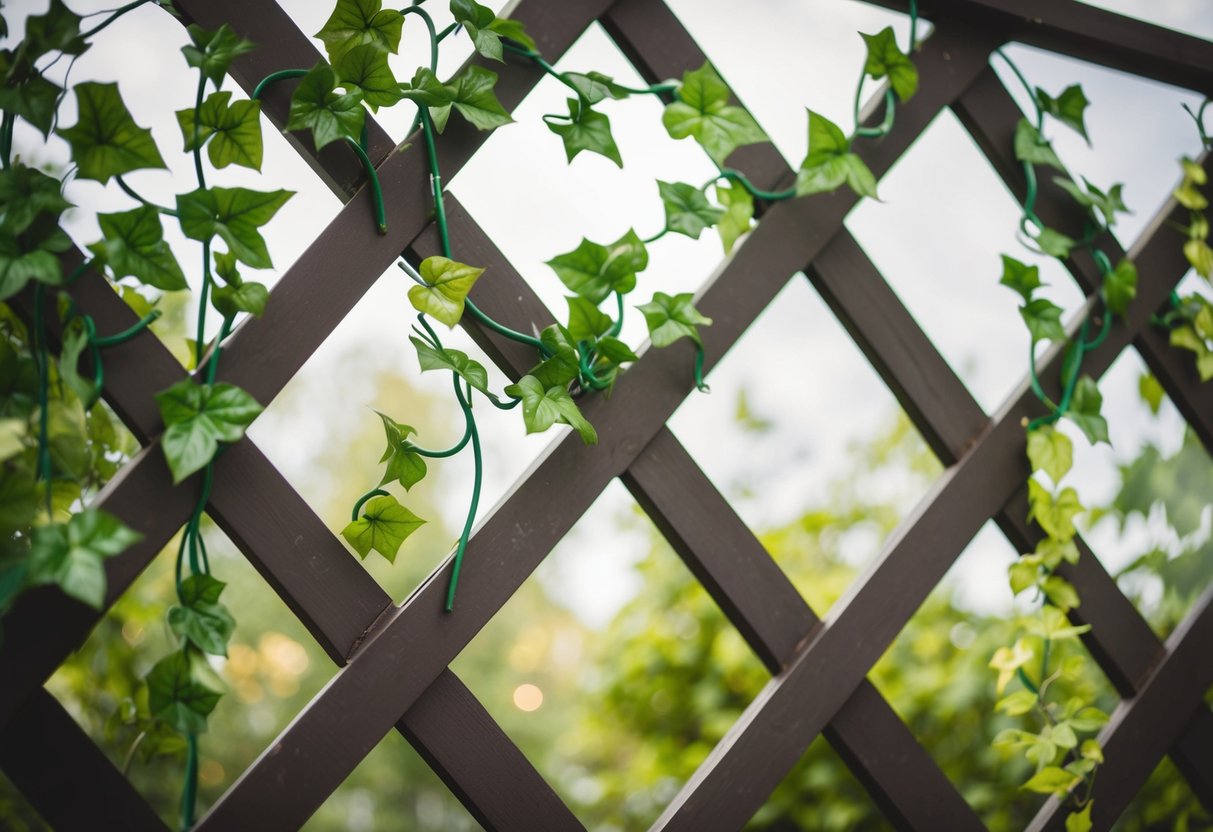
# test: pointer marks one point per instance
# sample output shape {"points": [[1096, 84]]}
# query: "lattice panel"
{"points": [[394, 660]]}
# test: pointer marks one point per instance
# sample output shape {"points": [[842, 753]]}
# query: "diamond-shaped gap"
{"points": [[1138, 129], [554, 203], [1165, 801], [153, 97], [391, 790], [1189, 18], [620, 673], [272, 670], [937, 241], [1150, 489], [799, 433], [323, 434], [802, 43], [936, 677]]}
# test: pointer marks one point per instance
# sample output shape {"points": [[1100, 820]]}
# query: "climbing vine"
{"points": [[59, 443]]}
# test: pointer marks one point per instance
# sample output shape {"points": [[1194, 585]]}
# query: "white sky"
{"points": [[938, 245]]}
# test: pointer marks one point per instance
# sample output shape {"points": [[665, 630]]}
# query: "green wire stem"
{"points": [[203, 294], [117, 14], [189, 796], [128, 333], [429, 25], [617, 326], [374, 492], [274, 78], [129, 191], [1040, 113], [656, 236], [655, 89], [471, 516], [700, 384], [753, 190], [6, 139], [212, 365]]}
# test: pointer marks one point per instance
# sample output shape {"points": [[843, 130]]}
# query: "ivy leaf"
{"points": [[1061, 592], [702, 110], [105, 139], [585, 129], [447, 285], [1022, 575], [455, 361], [1187, 338], [738, 214], [248, 297], [317, 106], [197, 417], [234, 214], [594, 86], [357, 23], [1108, 204], [34, 100], [477, 19], [25, 193], [133, 245], [56, 31], [1031, 147], [234, 130], [1120, 287], [1054, 243], [366, 68], [1054, 513], [403, 464], [830, 162], [595, 271], [586, 320], [1151, 391], [544, 407], [384, 525], [1051, 451], [32, 255], [427, 90], [201, 620], [564, 361], [1020, 277], [1080, 821], [1017, 704], [1067, 108], [1007, 660], [1052, 780], [670, 318], [514, 30], [687, 210], [1084, 410], [182, 690], [213, 52], [1043, 318], [885, 58], [475, 100], [615, 351], [74, 342], [1200, 256], [73, 554]]}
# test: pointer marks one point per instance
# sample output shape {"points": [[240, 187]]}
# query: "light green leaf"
{"points": [[475, 100], [1151, 391], [1051, 451], [1022, 576], [1054, 243], [1016, 704], [672, 317], [12, 436], [586, 320], [616, 351], [1109, 204], [595, 271], [594, 86], [197, 417], [585, 129], [404, 465], [202, 620], [356, 23], [1043, 318], [73, 554], [542, 408], [563, 364], [234, 130], [213, 52], [687, 210], [702, 110], [366, 68], [384, 525], [830, 162], [738, 214], [1054, 513], [1067, 108], [182, 690], [1020, 277], [1120, 287], [105, 139], [476, 19], [1061, 592], [317, 106], [1200, 255], [455, 361], [234, 214], [447, 285], [133, 245], [1080, 821], [885, 58], [1084, 410], [1031, 147], [1052, 780]]}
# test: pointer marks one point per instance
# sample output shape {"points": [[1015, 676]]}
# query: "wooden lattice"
{"points": [[394, 659]]}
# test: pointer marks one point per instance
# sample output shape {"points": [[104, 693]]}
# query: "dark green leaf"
{"points": [[134, 246], [197, 417], [234, 130], [213, 52], [594, 86], [446, 289], [586, 320], [475, 100], [427, 90], [317, 106], [542, 408], [615, 350], [56, 31], [830, 162], [476, 19], [202, 620], [670, 318], [248, 297], [514, 30], [74, 342], [687, 210], [384, 525], [366, 68], [25, 193], [1021, 277], [1067, 108], [73, 554], [357, 23], [1108, 204], [585, 129], [1031, 147], [182, 690], [34, 100], [1043, 318], [594, 271], [32, 255], [885, 58], [105, 139], [563, 364], [1084, 410], [234, 214], [702, 110], [454, 361]]}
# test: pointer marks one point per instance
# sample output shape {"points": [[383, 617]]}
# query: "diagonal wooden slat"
{"points": [[509, 545]]}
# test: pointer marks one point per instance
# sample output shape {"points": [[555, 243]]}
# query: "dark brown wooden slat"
{"points": [[64, 776], [1080, 31], [354, 711], [990, 114], [1195, 755], [1142, 729], [774, 731]]}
